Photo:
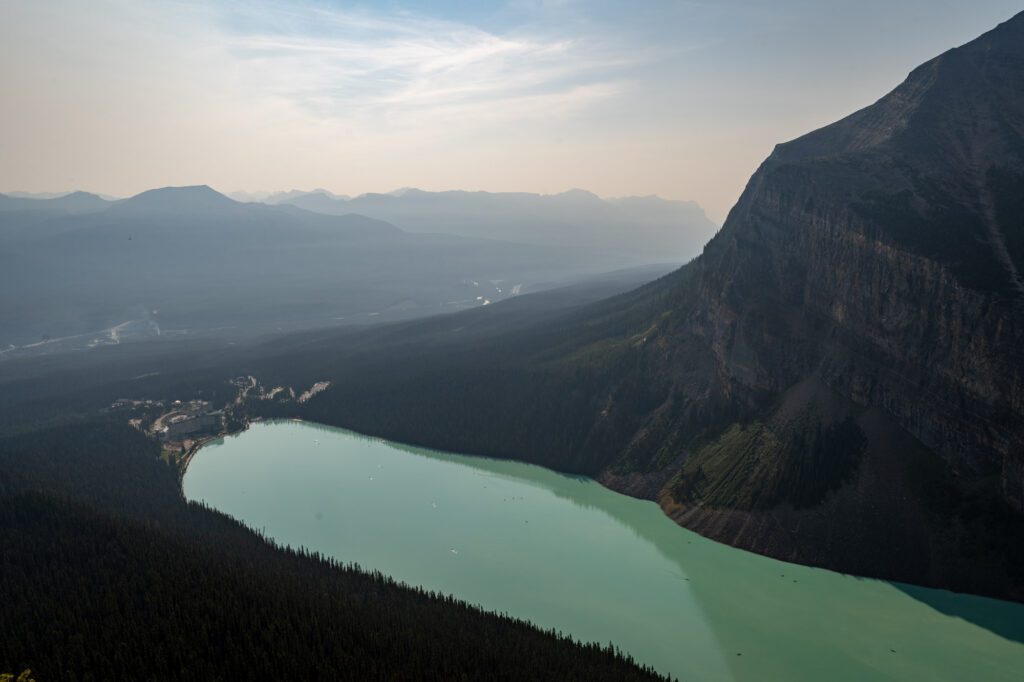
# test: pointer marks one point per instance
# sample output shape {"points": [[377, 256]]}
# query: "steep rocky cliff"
{"points": [[857, 330]]}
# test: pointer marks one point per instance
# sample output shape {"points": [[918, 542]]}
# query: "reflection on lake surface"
{"points": [[568, 554]]}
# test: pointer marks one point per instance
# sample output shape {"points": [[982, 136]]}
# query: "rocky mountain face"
{"points": [[856, 333], [894, 235]]}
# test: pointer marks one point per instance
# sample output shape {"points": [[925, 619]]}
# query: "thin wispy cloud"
{"points": [[402, 68]]}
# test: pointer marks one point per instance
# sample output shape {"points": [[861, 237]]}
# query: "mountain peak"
{"points": [[579, 194], [180, 198], [1011, 28], [947, 94], [80, 195], [403, 191], [321, 192]]}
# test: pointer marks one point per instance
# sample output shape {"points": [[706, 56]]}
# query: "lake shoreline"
{"points": [[505, 536], [625, 486]]}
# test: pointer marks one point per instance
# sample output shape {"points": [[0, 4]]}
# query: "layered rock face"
{"points": [[884, 230], [869, 276]]}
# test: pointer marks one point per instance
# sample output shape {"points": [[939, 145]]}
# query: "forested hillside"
{"points": [[109, 574]]}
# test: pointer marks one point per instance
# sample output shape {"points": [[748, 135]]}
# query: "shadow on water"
{"points": [[1003, 618], [1000, 617]]}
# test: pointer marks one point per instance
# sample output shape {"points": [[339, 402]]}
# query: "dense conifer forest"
{"points": [[109, 574]]}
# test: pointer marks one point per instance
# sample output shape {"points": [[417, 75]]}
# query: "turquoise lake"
{"points": [[566, 553]]}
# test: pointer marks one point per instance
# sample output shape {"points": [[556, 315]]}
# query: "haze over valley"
{"points": [[191, 261]]}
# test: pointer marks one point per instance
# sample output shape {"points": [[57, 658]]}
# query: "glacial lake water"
{"points": [[566, 553]]}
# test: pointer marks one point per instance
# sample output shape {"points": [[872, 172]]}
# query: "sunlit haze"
{"points": [[679, 99]]}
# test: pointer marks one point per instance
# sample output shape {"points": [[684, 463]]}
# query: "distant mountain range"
{"points": [[72, 202], [837, 380], [54, 195], [190, 260], [281, 197], [642, 229]]}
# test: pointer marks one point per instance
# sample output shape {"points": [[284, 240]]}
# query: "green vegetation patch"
{"points": [[754, 466]]}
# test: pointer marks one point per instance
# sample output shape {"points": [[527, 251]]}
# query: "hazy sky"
{"points": [[677, 98]]}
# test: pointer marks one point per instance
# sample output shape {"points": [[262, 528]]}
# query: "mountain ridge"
{"points": [[644, 229], [179, 198], [72, 202]]}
